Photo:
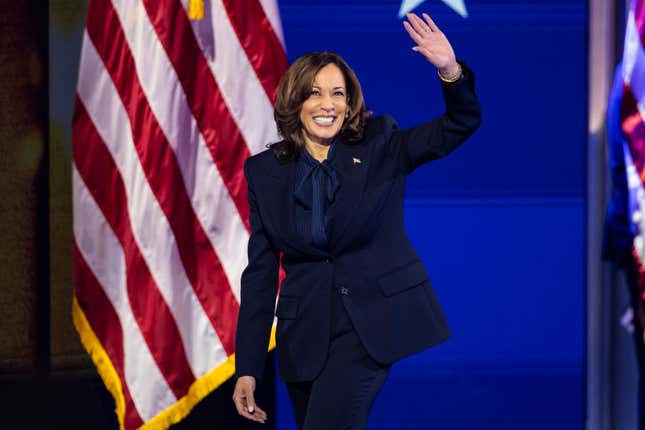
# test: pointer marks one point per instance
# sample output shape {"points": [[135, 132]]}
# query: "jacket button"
{"points": [[344, 291]]}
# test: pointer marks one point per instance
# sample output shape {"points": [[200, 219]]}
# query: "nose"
{"points": [[327, 104]]}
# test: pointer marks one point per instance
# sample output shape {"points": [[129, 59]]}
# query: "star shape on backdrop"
{"points": [[457, 5]]}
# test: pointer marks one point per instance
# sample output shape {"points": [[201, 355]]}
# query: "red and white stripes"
{"points": [[167, 111]]}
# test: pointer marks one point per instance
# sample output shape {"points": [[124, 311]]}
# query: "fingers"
{"points": [[418, 24], [253, 417], [430, 22], [245, 405], [413, 34], [431, 42], [250, 401], [259, 413]]}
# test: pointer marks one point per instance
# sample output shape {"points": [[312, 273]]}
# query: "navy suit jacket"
{"points": [[370, 260]]}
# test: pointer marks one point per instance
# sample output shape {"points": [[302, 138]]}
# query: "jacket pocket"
{"points": [[402, 279], [287, 308]]}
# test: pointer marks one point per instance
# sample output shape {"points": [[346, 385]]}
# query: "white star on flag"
{"points": [[457, 5]]}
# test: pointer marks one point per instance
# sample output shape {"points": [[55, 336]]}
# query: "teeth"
{"points": [[324, 119]]}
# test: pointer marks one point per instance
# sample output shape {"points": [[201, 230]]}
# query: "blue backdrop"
{"points": [[499, 223]]}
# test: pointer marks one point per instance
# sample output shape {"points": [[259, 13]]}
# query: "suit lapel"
{"points": [[351, 166]]}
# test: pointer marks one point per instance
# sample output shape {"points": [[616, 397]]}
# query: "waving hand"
{"points": [[432, 44]]}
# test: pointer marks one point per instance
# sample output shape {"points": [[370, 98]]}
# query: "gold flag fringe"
{"points": [[173, 414]]}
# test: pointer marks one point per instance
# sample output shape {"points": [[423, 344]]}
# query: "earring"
{"points": [[346, 115]]}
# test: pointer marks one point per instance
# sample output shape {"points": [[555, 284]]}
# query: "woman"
{"points": [[329, 197]]}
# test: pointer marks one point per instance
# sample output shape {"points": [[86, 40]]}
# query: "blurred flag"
{"points": [[167, 109], [625, 223]]}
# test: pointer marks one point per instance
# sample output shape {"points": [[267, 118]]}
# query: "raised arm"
{"points": [[462, 117]]}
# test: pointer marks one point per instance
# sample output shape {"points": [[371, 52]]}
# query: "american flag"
{"points": [[624, 239], [167, 109], [632, 118]]}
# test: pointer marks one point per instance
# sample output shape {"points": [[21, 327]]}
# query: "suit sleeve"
{"points": [[438, 138], [259, 286]]}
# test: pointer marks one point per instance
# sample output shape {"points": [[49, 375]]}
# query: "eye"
{"points": [[315, 92], [339, 93]]}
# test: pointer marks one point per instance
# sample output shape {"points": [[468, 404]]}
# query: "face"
{"points": [[323, 113]]}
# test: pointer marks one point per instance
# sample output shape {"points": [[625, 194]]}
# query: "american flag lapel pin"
{"points": [[356, 160]]}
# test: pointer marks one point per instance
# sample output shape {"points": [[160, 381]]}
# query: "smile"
{"points": [[324, 120]]}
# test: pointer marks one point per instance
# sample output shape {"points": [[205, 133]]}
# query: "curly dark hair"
{"points": [[295, 89]]}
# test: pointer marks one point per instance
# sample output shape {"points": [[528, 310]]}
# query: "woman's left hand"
{"points": [[432, 43]]}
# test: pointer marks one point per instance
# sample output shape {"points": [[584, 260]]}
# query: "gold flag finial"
{"points": [[195, 9]]}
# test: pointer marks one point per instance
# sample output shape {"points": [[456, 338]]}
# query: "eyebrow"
{"points": [[335, 88]]}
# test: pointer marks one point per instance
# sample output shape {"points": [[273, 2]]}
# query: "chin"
{"points": [[327, 135]]}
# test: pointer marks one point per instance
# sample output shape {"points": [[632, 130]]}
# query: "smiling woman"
{"points": [[329, 199], [318, 98]]}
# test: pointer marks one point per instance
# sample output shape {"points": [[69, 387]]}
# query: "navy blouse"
{"points": [[315, 193]]}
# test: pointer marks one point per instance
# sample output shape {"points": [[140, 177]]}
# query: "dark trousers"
{"points": [[341, 396]]}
